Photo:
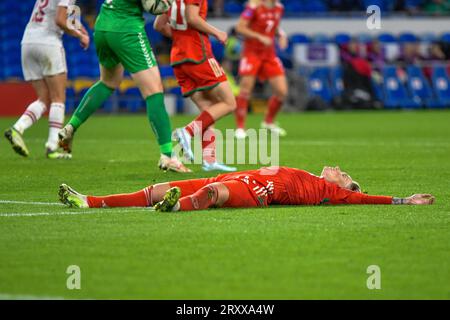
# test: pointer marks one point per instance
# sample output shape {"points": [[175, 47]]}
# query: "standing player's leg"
{"points": [[32, 114], [208, 77], [57, 91], [273, 71], [280, 90], [150, 84], [203, 100], [246, 85], [94, 98], [111, 74], [135, 54]]}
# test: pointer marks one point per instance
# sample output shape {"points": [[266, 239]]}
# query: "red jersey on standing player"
{"points": [[191, 56], [257, 58]]}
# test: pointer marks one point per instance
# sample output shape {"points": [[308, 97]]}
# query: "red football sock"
{"points": [[204, 198], [274, 106], [209, 146], [200, 124], [141, 198], [241, 111]]}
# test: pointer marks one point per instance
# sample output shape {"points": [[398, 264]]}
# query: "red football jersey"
{"points": [[289, 186], [188, 45], [264, 20]]}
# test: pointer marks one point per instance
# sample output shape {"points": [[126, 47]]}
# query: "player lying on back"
{"points": [[254, 188], [260, 26], [198, 73], [42, 44]]}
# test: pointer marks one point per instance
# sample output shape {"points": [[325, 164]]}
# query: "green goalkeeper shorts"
{"points": [[132, 50]]}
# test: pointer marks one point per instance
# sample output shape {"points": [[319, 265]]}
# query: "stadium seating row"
{"points": [[416, 91]]}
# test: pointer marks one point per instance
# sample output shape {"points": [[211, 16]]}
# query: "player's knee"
{"points": [[281, 94], [112, 83], [232, 104]]}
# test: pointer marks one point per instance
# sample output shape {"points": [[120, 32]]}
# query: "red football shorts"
{"points": [[198, 77], [262, 68], [240, 194]]}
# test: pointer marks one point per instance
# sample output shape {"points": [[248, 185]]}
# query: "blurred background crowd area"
{"points": [[326, 70], [223, 8]]}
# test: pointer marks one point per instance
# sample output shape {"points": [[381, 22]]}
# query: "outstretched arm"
{"points": [[344, 196]]}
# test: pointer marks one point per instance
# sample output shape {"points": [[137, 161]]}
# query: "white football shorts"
{"points": [[41, 60]]}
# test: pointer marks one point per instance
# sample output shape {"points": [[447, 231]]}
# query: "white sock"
{"points": [[34, 111], [55, 123]]}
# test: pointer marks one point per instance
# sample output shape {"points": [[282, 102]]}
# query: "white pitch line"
{"points": [[37, 214], [31, 203], [8, 296]]}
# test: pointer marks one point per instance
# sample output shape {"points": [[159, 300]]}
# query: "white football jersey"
{"points": [[42, 28]]}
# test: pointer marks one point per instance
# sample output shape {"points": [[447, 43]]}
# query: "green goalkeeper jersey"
{"points": [[120, 16]]}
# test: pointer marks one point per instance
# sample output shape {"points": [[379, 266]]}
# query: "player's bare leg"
{"points": [[33, 113], [223, 103], [150, 85], [280, 89], [110, 78], [203, 100], [57, 91], [246, 84]]}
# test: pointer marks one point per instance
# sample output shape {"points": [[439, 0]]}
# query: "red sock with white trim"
{"points": [[274, 106], [33, 113], [141, 198], [200, 124]]}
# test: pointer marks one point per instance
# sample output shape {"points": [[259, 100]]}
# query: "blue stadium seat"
{"points": [[364, 38], [131, 100], [378, 90], [441, 85], [428, 37], [320, 38], [299, 38], [446, 37], [407, 37], [396, 95], [292, 7], [385, 5], [386, 37], [316, 6], [337, 82], [233, 7], [420, 89], [71, 102], [342, 38], [318, 84]]}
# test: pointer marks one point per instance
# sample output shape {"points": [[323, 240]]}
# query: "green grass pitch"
{"points": [[274, 253]]}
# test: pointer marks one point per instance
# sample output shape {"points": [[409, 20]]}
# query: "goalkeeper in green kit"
{"points": [[122, 44]]}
